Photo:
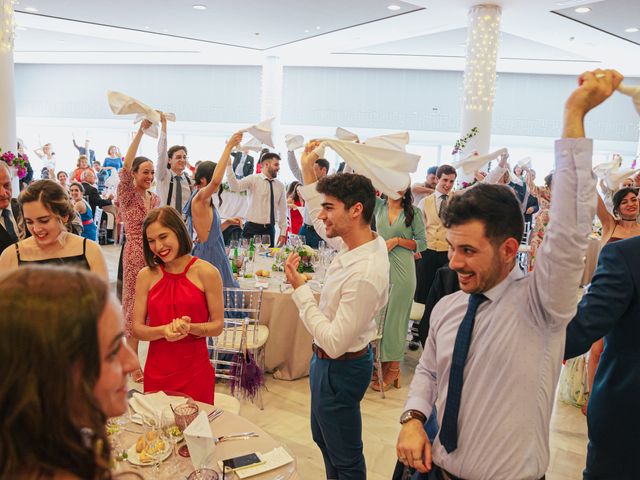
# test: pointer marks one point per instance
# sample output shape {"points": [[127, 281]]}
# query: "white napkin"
{"points": [[262, 131], [346, 135], [199, 440], [633, 92], [524, 162], [294, 142], [612, 174], [122, 104], [383, 160], [154, 405], [253, 144], [475, 162]]}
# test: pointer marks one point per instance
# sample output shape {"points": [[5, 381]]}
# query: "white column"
{"points": [[7, 83], [483, 37], [271, 93]]}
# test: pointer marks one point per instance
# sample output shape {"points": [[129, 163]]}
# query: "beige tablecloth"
{"points": [[288, 349], [227, 423]]}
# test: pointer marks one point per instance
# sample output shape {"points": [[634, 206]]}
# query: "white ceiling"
{"points": [[422, 34]]}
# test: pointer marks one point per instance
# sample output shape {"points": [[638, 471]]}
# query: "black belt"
{"points": [[322, 355], [263, 225]]}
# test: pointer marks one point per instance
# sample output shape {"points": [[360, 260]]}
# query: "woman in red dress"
{"points": [[181, 296], [295, 204]]}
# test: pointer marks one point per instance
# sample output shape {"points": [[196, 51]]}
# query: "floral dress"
{"points": [[542, 218], [132, 211]]}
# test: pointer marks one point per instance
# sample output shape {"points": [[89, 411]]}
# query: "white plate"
{"points": [[134, 458]]}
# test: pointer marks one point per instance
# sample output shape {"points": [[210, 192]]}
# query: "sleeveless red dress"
{"points": [[181, 366]]}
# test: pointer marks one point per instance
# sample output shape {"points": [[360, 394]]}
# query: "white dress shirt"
{"points": [[356, 288], [165, 176], [517, 345], [259, 198]]}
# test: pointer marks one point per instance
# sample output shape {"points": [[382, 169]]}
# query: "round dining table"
{"points": [[179, 467]]}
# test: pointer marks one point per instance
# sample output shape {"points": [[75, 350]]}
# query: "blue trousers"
{"points": [[337, 387], [311, 237]]}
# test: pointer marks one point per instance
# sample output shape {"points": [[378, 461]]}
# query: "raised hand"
{"points": [[594, 88], [144, 125], [235, 139], [295, 278]]}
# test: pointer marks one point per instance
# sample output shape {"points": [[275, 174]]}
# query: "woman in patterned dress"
{"points": [[134, 201], [543, 194]]}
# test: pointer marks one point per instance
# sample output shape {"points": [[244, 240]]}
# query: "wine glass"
{"points": [[322, 246], [257, 242], [266, 240], [239, 261], [245, 244]]}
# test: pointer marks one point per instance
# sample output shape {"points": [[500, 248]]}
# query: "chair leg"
{"points": [[379, 369]]}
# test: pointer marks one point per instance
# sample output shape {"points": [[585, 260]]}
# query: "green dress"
{"points": [[402, 276]]}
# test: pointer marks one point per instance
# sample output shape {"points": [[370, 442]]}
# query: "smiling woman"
{"points": [[53, 419], [181, 296], [47, 212]]}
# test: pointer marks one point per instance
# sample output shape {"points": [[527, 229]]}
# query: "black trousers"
{"points": [[250, 229], [426, 269]]}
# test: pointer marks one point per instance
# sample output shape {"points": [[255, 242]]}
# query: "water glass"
{"points": [[203, 474], [184, 414], [266, 240]]}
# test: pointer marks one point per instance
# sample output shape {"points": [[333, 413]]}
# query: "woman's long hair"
{"points": [[407, 206], [50, 364], [292, 191]]}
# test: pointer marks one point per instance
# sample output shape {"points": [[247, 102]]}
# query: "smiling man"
{"points": [[174, 185], [343, 322], [494, 350]]}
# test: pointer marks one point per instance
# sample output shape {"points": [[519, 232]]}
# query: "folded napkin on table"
{"points": [[155, 405]]}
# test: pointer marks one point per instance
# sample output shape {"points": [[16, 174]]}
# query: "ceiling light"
{"points": [[582, 10], [317, 28], [199, 7], [146, 27], [31, 9], [306, 31], [393, 8], [632, 30]]}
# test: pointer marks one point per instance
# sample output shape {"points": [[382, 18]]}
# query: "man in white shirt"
{"points": [[421, 190], [11, 225], [494, 350], [173, 184], [266, 197], [320, 169], [343, 322]]}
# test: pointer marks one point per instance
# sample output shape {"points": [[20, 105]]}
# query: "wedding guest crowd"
{"points": [[492, 330]]}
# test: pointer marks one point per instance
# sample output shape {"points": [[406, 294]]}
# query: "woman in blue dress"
{"points": [[203, 217], [89, 229]]}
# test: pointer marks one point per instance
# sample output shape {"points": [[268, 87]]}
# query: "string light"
{"points": [[482, 52], [8, 26]]}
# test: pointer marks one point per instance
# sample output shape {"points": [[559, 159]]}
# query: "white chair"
{"points": [[102, 232], [241, 330], [380, 319]]}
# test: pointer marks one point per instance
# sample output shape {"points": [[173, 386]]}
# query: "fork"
{"points": [[215, 414]]}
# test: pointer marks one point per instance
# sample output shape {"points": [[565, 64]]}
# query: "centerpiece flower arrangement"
{"points": [[18, 162], [306, 254]]}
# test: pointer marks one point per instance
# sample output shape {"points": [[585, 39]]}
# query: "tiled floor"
{"points": [[286, 417]]}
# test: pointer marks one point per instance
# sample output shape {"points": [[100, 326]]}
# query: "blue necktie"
{"points": [[449, 429], [8, 225]]}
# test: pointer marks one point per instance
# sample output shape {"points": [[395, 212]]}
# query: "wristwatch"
{"points": [[412, 414]]}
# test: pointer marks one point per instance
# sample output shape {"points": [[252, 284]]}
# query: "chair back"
{"points": [[381, 316], [97, 216]]}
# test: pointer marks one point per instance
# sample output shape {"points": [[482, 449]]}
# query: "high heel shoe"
{"points": [[390, 378]]}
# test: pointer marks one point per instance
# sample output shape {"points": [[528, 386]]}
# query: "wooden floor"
{"points": [[286, 417]]}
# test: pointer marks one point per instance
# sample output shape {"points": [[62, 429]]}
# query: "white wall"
{"points": [[54, 101]]}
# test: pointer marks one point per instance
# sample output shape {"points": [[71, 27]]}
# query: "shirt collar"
{"points": [[349, 257], [496, 292]]}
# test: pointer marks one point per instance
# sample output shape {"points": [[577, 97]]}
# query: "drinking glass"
{"points": [[301, 241], [266, 240], [257, 242], [184, 414], [203, 474], [322, 246], [239, 261], [245, 244]]}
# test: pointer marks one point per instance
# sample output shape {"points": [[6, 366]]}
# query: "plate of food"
{"points": [[174, 432], [149, 449]]}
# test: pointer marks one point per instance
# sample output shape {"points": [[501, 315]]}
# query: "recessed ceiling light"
{"points": [[199, 7], [582, 10], [394, 7], [306, 31], [632, 30], [31, 9], [146, 27], [318, 28]]}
